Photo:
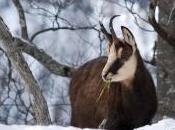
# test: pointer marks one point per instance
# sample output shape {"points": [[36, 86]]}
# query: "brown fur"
{"points": [[124, 107], [131, 99]]}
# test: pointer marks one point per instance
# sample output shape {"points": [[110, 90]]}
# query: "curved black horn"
{"points": [[111, 26], [103, 29]]}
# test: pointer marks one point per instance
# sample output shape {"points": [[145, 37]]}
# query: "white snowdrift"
{"points": [[166, 124]]}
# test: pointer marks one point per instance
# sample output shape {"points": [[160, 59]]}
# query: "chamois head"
{"points": [[122, 60]]}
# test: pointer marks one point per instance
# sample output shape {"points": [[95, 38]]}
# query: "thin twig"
{"points": [[62, 28]]}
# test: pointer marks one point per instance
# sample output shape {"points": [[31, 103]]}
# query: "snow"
{"points": [[23, 127], [165, 124]]}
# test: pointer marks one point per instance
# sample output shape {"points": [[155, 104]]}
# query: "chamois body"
{"points": [[130, 102], [122, 106]]}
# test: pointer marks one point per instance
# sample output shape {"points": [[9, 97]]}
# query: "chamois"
{"points": [[130, 101]]}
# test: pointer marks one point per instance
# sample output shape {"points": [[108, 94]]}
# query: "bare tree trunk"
{"points": [[39, 103], [166, 60]]}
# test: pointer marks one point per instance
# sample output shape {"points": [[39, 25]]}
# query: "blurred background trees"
{"points": [[57, 36], [165, 58]]}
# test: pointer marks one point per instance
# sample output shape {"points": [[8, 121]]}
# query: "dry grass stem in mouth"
{"points": [[107, 86]]}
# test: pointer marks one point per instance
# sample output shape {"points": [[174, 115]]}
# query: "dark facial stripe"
{"points": [[115, 66]]}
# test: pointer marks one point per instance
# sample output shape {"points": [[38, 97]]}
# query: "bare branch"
{"points": [[22, 19], [157, 27], [136, 16], [39, 103], [46, 60], [62, 28], [40, 55]]}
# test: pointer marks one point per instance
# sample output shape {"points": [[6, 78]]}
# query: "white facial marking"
{"points": [[127, 71]]}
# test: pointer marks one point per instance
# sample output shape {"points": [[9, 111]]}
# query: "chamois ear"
{"points": [[128, 36]]}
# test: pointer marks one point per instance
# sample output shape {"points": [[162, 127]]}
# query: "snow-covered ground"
{"points": [[166, 124]]}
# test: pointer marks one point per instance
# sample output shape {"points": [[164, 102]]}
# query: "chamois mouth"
{"points": [[107, 77]]}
